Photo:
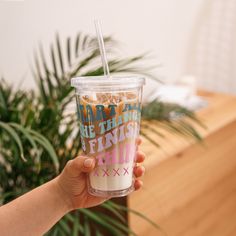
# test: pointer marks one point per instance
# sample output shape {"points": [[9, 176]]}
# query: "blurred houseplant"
{"points": [[39, 134]]}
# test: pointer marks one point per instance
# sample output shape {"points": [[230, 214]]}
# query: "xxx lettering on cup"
{"points": [[105, 172], [108, 172], [126, 171], [116, 172]]}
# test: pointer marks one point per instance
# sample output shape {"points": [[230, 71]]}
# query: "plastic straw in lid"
{"points": [[102, 48]]}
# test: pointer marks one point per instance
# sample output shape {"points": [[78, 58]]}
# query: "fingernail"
{"points": [[88, 163]]}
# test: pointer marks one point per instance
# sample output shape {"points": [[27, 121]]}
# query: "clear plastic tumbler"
{"points": [[109, 113]]}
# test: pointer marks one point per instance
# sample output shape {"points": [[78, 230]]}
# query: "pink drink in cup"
{"points": [[109, 113]]}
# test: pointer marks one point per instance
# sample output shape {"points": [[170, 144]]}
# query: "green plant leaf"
{"points": [[85, 44], [2, 99], [61, 232], [27, 135], [101, 222], [139, 214], [64, 226], [149, 139], [77, 42], [117, 224], [69, 52], [39, 80], [149, 128], [59, 51], [121, 217], [46, 71], [98, 233], [84, 62], [55, 232], [15, 136], [6, 195], [54, 64], [76, 231], [163, 112], [47, 145], [189, 129], [74, 218], [87, 231]]}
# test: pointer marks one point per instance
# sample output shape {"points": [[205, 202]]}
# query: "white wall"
{"points": [[160, 26], [212, 52]]}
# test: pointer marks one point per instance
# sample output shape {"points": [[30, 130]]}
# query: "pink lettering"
{"points": [[111, 157], [126, 171], [105, 173], [121, 157], [100, 159], [92, 145], [116, 172]]}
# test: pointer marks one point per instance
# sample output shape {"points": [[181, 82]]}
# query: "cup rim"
{"points": [[103, 82]]}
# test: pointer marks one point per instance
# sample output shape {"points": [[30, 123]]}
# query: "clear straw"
{"points": [[102, 47]]}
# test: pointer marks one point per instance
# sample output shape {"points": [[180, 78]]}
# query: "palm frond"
{"points": [[139, 214], [172, 118], [13, 134], [102, 222], [79, 57]]}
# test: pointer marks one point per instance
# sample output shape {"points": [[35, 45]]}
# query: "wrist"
{"points": [[62, 196]]}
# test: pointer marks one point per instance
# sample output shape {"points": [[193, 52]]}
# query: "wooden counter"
{"points": [[190, 189]]}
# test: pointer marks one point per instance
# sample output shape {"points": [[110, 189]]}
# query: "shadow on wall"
{"points": [[212, 47]]}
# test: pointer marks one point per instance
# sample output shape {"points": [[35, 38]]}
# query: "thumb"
{"points": [[79, 165]]}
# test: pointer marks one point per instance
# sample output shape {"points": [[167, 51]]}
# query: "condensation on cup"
{"points": [[109, 114]]}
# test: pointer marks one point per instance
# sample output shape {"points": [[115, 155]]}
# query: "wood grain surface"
{"points": [[190, 189]]}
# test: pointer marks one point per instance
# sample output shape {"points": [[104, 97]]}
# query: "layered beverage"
{"points": [[109, 113]]}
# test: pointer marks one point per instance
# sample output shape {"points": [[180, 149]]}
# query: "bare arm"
{"points": [[35, 212]]}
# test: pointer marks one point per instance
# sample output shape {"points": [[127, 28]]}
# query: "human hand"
{"points": [[72, 184]]}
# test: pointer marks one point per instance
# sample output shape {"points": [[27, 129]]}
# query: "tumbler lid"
{"points": [[107, 83]]}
